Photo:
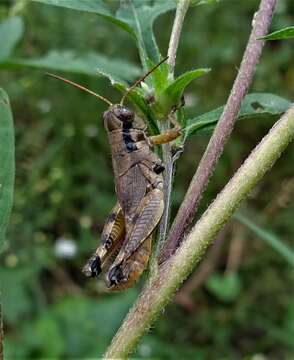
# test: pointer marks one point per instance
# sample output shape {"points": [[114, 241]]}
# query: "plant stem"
{"points": [[172, 273], [260, 25], [181, 11], [167, 185]]}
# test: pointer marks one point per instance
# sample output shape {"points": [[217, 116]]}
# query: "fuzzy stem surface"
{"points": [[181, 11]]}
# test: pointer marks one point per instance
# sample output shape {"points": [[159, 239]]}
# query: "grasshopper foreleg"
{"points": [[166, 136]]}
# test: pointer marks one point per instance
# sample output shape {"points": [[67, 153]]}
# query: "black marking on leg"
{"points": [[111, 217], [158, 168], [115, 275], [107, 240], [96, 267]]}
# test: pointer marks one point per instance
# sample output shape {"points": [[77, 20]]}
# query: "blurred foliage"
{"points": [[64, 186], [7, 163], [271, 239]]}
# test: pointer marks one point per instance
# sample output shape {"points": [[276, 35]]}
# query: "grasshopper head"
{"points": [[118, 117]]}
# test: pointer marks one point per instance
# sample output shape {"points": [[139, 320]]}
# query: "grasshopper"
{"points": [[127, 235]]}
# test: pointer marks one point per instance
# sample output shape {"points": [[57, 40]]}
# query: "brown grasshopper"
{"points": [[127, 235]]}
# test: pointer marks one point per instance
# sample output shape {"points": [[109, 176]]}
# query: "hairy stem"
{"points": [[172, 273], [181, 11], [260, 25], [167, 185]]}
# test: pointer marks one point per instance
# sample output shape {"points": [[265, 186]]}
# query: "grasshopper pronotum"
{"points": [[127, 235]]}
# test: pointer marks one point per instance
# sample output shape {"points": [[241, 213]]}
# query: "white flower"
{"points": [[65, 248]]}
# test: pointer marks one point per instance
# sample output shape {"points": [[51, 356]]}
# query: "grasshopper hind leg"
{"points": [[111, 240]]}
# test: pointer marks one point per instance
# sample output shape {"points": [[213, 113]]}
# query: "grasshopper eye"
{"points": [[123, 114]]}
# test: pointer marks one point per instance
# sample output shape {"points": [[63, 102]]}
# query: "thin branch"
{"points": [[260, 25], [167, 185], [171, 274], [181, 11]]}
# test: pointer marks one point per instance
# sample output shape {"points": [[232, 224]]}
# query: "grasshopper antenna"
{"points": [[142, 79], [80, 87]]}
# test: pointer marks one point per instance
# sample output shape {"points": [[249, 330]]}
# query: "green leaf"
{"points": [[89, 324], [97, 7], [7, 162], [171, 96], [270, 239], [175, 90], [136, 17], [47, 334], [203, 2], [140, 16], [254, 106], [284, 331], [225, 287], [11, 30], [286, 33], [15, 285], [89, 64], [159, 77]]}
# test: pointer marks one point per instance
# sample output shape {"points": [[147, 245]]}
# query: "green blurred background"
{"points": [[240, 305]]}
